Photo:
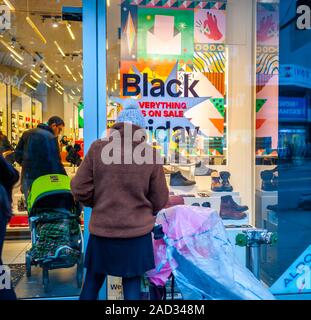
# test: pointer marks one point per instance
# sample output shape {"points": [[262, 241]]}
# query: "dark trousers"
{"points": [[94, 281], [5, 294]]}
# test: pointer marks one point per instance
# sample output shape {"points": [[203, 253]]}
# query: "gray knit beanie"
{"points": [[132, 114]]}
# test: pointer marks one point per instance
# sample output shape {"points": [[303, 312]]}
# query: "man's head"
{"points": [[56, 124]]}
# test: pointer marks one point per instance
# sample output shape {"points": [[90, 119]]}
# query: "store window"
{"points": [[190, 68], [41, 75], [232, 77]]}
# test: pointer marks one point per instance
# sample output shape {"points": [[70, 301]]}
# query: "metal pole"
{"points": [[255, 259]]}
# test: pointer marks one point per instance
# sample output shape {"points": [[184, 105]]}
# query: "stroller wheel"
{"points": [[45, 279], [79, 275], [28, 265]]}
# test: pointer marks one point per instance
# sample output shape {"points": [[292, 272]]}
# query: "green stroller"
{"points": [[56, 235]]}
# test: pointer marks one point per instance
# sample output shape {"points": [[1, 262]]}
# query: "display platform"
{"points": [[215, 202], [264, 199]]}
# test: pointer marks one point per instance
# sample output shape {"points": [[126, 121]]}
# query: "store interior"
{"points": [[41, 75]]}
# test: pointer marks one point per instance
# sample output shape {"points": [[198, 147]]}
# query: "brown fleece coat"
{"points": [[124, 197]]}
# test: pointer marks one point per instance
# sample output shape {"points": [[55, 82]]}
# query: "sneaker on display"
{"points": [[202, 170], [177, 179]]}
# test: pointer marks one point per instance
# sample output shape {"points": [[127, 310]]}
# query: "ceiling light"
{"points": [[59, 49], [59, 86], [36, 30], [74, 78], [46, 65], [47, 84], [59, 91], [32, 77], [12, 50], [12, 56], [71, 97], [9, 4], [80, 75], [30, 86], [55, 24], [68, 25], [72, 91], [78, 90], [36, 74], [108, 3], [67, 68]]}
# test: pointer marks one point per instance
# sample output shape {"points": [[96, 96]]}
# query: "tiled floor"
{"points": [[62, 281], [14, 251]]}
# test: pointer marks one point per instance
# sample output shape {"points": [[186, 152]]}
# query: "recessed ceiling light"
{"points": [[55, 24]]}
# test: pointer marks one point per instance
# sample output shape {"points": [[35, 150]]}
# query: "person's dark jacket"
{"points": [[5, 144], [124, 197], [8, 177], [38, 153]]}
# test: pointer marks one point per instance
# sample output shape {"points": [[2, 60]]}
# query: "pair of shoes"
{"points": [[230, 210], [202, 170], [269, 180], [224, 184], [177, 179], [204, 204]]}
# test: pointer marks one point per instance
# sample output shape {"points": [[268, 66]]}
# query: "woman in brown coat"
{"points": [[125, 195]]}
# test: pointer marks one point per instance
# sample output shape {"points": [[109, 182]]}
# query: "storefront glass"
{"points": [[221, 89], [41, 72]]}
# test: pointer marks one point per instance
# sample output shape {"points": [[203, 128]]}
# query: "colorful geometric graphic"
{"points": [[181, 4], [218, 81], [209, 26], [165, 34], [209, 61], [260, 103], [219, 104], [267, 71], [129, 33], [267, 60], [177, 40]]}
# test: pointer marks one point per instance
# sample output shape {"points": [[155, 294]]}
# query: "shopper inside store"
{"points": [[155, 150]]}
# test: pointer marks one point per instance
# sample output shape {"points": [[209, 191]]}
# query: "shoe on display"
{"points": [[229, 210], [273, 207], [206, 205], [266, 184], [225, 176], [216, 184], [196, 204], [178, 180], [202, 170], [305, 201]]}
